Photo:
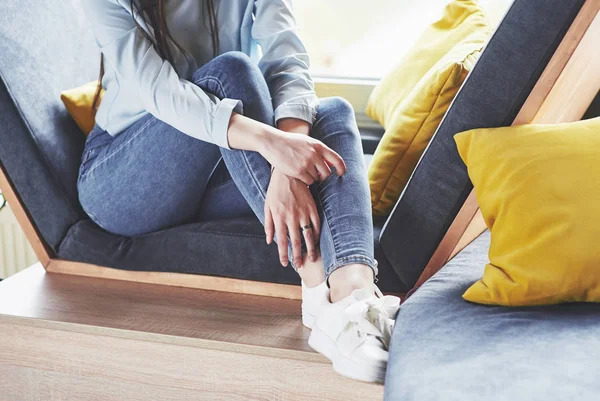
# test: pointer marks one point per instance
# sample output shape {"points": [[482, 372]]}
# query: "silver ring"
{"points": [[306, 227]]}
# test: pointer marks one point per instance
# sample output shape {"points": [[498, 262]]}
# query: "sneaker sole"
{"points": [[320, 342], [308, 320]]}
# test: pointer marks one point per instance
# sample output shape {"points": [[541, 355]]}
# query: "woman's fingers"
{"points": [[269, 227], [306, 178], [294, 231], [324, 170], [314, 173], [282, 242], [309, 239], [333, 159]]}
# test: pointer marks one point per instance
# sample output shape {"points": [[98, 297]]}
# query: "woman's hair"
{"points": [[152, 13]]}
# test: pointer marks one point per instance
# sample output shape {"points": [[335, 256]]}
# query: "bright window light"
{"points": [[363, 39]]}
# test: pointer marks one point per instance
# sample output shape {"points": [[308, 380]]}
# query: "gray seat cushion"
{"points": [[445, 348], [228, 248]]}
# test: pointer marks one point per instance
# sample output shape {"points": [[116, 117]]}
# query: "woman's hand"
{"points": [[302, 157], [297, 126], [289, 206], [298, 156]]}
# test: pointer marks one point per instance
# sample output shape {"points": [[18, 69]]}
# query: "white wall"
{"points": [[15, 252]]}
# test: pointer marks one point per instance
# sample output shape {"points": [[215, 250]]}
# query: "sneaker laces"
{"points": [[390, 303], [369, 317]]}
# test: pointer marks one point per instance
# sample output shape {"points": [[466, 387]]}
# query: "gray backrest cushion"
{"points": [[492, 95], [45, 47]]}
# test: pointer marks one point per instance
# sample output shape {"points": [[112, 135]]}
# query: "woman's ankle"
{"points": [[312, 273], [348, 278]]}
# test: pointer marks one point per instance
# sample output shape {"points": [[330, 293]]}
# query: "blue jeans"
{"points": [[152, 176]]}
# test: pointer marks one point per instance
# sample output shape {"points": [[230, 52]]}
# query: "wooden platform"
{"points": [[77, 338]]}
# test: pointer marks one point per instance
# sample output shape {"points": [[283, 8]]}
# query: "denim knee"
{"points": [[233, 64], [234, 75], [335, 116], [337, 105]]}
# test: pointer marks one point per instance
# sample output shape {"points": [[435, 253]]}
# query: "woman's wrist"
{"points": [[247, 134], [294, 125], [276, 174]]}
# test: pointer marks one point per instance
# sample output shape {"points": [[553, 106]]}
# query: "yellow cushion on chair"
{"points": [[411, 101], [79, 102], [538, 187]]}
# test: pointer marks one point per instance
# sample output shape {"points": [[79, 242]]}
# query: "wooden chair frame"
{"points": [[565, 90]]}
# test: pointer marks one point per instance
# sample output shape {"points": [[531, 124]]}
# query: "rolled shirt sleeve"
{"points": [[285, 62], [177, 102]]}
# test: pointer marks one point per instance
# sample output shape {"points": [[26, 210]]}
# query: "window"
{"points": [[354, 43], [361, 39]]}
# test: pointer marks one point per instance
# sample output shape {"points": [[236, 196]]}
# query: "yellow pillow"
{"points": [[538, 187], [411, 101], [78, 102]]}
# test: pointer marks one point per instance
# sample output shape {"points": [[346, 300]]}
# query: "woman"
{"points": [[185, 89]]}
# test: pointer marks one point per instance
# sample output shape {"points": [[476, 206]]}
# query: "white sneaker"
{"points": [[354, 334], [313, 298]]}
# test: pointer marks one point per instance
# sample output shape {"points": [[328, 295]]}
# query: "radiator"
{"points": [[15, 252]]}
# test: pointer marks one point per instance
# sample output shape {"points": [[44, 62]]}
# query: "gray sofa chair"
{"points": [[444, 348], [45, 48]]}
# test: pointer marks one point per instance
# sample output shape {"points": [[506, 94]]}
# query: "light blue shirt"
{"points": [[138, 81]]}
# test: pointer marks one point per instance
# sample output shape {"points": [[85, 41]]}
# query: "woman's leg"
{"points": [[344, 203], [148, 178], [152, 176], [222, 198], [234, 75]]}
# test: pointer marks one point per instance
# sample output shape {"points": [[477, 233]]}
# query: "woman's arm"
{"points": [[297, 156], [285, 62], [187, 107], [285, 65], [163, 93]]}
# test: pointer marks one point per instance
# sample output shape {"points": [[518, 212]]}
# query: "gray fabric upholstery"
{"points": [[594, 109], [444, 348], [491, 96], [45, 47], [229, 248]]}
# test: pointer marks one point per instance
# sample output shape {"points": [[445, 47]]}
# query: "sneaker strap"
{"points": [[368, 317], [390, 303]]}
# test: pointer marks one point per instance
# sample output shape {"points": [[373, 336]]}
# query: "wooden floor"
{"points": [[77, 338]]}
